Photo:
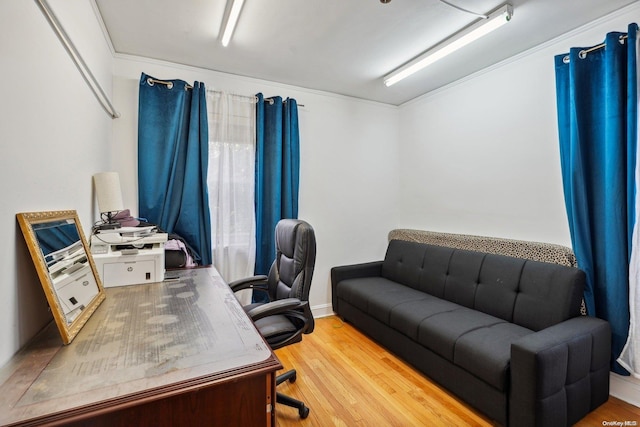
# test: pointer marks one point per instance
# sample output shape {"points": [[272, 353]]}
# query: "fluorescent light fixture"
{"points": [[494, 20], [232, 20]]}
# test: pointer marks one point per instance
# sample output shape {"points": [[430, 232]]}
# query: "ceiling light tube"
{"points": [[494, 20], [232, 20]]}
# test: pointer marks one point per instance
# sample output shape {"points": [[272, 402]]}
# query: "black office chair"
{"points": [[287, 315]]}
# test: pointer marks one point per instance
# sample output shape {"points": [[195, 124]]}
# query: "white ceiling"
{"points": [[340, 46]]}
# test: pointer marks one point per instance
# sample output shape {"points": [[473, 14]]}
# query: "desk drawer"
{"points": [[129, 273]]}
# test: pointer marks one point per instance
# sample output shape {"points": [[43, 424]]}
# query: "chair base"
{"points": [[283, 399]]}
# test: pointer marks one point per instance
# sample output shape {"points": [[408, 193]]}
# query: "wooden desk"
{"points": [[179, 353]]}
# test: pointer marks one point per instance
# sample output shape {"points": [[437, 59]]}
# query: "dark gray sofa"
{"points": [[504, 334]]}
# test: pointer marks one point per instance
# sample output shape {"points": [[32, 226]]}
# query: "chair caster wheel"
{"points": [[304, 412], [293, 378]]}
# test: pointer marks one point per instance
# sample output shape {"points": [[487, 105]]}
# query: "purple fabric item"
{"points": [[125, 219], [177, 245]]}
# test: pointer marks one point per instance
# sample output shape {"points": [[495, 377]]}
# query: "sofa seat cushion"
{"points": [[441, 332], [406, 317], [486, 352], [377, 296], [473, 340]]}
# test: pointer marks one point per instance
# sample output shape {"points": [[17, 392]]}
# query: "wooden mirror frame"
{"points": [[68, 330]]}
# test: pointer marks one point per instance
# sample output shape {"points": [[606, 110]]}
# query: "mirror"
{"points": [[65, 267]]}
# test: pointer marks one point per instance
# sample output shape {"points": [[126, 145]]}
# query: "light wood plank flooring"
{"points": [[348, 380]]}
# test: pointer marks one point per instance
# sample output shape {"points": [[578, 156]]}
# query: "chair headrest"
{"points": [[289, 233]]}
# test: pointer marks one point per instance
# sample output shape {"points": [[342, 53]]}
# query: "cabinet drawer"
{"points": [[129, 273]]}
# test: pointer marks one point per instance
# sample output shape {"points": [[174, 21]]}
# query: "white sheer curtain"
{"points": [[232, 140], [630, 355]]}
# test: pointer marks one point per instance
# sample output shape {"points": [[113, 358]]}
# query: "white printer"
{"points": [[129, 255]]}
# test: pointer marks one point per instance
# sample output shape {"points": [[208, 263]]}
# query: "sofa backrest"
{"points": [[529, 293]]}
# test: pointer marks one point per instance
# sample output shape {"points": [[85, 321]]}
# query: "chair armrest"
{"points": [[280, 306], [298, 312], [560, 373], [259, 282]]}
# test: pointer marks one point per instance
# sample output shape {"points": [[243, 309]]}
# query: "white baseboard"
{"points": [[625, 388], [322, 310]]}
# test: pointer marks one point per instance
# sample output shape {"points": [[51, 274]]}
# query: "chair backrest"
{"points": [[292, 270]]}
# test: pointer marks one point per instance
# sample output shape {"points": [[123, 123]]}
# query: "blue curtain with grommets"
{"points": [[277, 172], [173, 159], [596, 91]]}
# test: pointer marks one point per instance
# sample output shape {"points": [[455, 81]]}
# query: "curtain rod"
{"points": [[271, 101], [77, 59], [584, 52], [621, 40], [151, 82]]}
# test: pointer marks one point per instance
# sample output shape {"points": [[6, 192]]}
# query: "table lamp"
{"points": [[109, 194]]}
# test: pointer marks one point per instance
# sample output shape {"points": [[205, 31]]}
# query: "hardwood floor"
{"points": [[348, 380]]}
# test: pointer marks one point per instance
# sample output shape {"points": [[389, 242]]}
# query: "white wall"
{"points": [[54, 137], [348, 167], [481, 156]]}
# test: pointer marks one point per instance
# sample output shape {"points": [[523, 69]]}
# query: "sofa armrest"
{"points": [[345, 272], [353, 271], [560, 373]]}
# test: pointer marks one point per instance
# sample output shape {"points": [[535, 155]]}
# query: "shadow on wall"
{"points": [[33, 311]]}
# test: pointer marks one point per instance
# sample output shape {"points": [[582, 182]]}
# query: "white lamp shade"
{"points": [[108, 191]]}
